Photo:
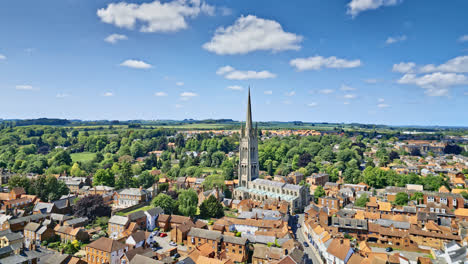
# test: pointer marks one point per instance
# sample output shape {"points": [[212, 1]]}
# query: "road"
{"points": [[313, 256]]}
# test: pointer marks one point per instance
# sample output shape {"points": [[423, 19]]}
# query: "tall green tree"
{"points": [[165, 202], [211, 208], [188, 201]]}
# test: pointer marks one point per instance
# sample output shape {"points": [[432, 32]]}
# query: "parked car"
{"points": [[163, 235], [172, 243], [176, 255], [389, 249], [156, 233], [305, 244], [298, 225]]}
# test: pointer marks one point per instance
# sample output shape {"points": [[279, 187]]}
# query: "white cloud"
{"points": [[349, 96], [232, 74], [26, 87], [287, 102], [62, 95], [403, 67], [345, 87], [178, 106], [326, 91], [392, 40], [357, 6], [457, 64], [155, 16], [317, 62], [137, 64], [463, 38], [114, 38], [160, 94], [383, 105], [436, 84], [185, 96], [225, 69], [179, 83], [268, 92], [235, 88], [2, 57], [291, 93], [380, 100], [250, 33], [346, 103], [108, 94], [313, 104]]}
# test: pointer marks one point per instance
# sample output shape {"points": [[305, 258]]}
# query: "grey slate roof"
{"points": [[203, 233], [136, 215], [119, 220], [44, 207], [349, 223], [77, 220], [155, 211], [396, 224], [235, 240], [29, 218]]}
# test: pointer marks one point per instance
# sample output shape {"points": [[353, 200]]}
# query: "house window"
{"points": [[432, 210], [454, 202]]}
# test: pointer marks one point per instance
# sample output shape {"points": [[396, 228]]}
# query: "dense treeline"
{"points": [[120, 156]]}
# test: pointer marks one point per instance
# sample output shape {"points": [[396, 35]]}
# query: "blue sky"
{"points": [[397, 62]]}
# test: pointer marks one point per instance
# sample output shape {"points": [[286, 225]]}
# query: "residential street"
{"points": [[313, 257]]}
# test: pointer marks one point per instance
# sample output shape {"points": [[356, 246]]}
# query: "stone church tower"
{"points": [[248, 150]]}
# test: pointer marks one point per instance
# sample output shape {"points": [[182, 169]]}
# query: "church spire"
{"points": [[248, 120]]}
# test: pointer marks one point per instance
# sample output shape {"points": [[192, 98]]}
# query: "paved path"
{"points": [[313, 255]]}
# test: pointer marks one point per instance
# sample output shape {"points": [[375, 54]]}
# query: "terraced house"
{"points": [[105, 250]]}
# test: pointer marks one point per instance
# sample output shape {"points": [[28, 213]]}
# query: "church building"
{"points": [[250, 186]]}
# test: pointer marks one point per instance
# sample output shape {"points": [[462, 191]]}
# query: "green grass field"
{"points": [[83, 156], [144, 208]]}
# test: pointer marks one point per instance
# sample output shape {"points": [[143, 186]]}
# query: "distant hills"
{"points": [[220, 123]]}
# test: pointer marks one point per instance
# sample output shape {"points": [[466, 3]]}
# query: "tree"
{"points": [[125, 178], [401, 198], [137, 149], [104, 177], [211, 208], [362, 201], [92, 206], [465, 195], [163, 187], [417, 196], [319, 192], [145, 179], [19, 181], [165, 202], [453, 149], [76, 171], [304, 159], [188, 201]]}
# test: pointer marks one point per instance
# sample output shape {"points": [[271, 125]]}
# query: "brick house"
{"points": [[138, 217], [35, 233], [318, 179], [132, 196], [105, 250], [68, 233], [116, 226]]}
